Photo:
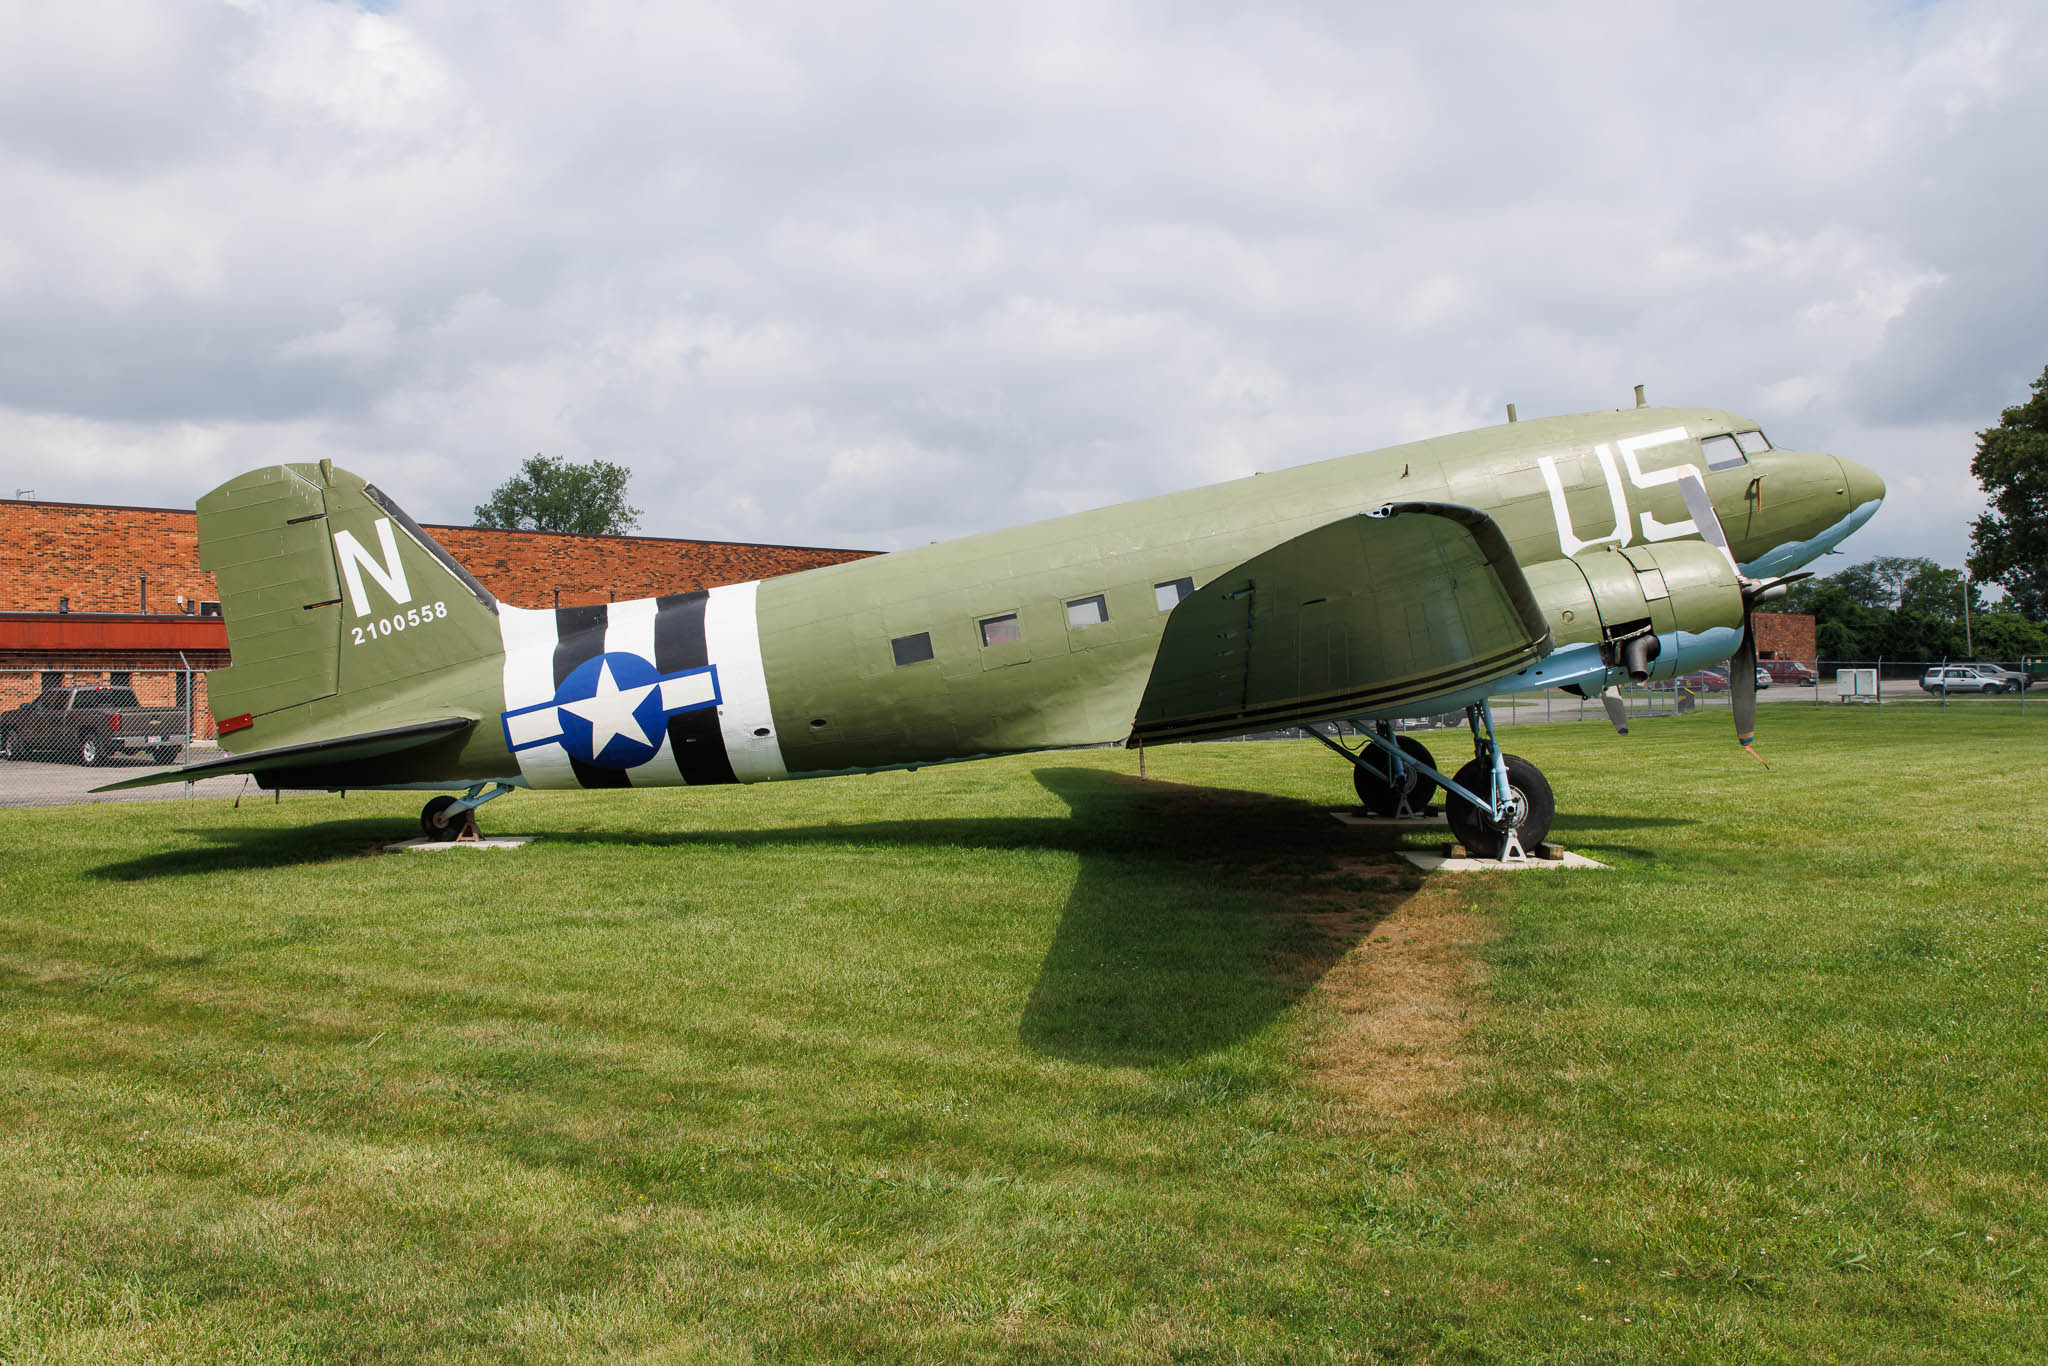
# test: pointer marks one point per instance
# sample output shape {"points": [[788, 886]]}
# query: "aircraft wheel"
{"points": [[1534, 805], [1383, 798], [437, 821]]}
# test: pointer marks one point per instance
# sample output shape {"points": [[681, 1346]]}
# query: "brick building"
{"points": [[89, 590], [1786, 635]]}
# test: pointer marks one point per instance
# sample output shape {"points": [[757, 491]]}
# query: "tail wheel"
{"points": [[1383, 798], [441, 822], [1529, 795]]}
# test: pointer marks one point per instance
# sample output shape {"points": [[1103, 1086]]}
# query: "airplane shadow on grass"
{"points": [[216, 849], [1197, 915]]}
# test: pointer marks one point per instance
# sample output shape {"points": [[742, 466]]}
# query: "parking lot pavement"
{"points": [[32, 783]]}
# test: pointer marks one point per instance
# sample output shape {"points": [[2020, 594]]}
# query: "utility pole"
{"points": [[1969, 648]]}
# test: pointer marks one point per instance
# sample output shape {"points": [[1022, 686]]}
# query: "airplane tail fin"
{"points": [[335, 601]]}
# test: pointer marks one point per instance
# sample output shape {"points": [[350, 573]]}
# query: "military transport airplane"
{"points": [[1569, 552]]}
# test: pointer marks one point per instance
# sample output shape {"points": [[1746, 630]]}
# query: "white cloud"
{"points": [[874, 273]]}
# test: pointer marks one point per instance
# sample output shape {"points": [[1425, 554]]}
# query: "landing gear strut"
{"points": [[448, 818], [1499, 806]]}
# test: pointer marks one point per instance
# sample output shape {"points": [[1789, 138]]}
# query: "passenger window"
{"points": [[1752, 443], [1002, 630], [1721, 452], [912, 649], [1087, 611], [1169, 594]]}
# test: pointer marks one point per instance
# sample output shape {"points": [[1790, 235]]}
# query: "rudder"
{"points": [[331, 592]]}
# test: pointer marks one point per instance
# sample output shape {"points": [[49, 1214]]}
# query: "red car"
{"points": [[1705, 680], [1789, 671]]}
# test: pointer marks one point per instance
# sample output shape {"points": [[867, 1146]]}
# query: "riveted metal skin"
{"points": [[1398, 582]]}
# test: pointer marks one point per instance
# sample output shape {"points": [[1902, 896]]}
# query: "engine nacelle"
{"points": [[1623, 600]]}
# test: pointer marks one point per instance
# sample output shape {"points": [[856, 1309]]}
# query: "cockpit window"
{"points": [[1721, 452], [1752, 443]]}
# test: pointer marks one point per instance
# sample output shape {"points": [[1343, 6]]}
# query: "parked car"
{"points": [[1789, 671], [1702, 680], [90, 725], [2013, 679], [1962, 678]]}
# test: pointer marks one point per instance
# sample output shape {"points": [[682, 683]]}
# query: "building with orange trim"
{"points": [[90, 590]]}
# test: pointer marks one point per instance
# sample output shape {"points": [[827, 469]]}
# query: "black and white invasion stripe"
{"points": [[733, 742]]}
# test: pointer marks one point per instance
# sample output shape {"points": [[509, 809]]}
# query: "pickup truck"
{"points": [[91, 725]]}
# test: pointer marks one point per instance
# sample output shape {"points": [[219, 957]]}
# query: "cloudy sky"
{"points": [[862, 274]]}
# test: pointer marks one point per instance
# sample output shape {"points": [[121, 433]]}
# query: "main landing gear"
{"points": [[446, 819], [1499, 805]]}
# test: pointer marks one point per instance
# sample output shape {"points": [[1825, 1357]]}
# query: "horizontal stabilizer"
{"points": [[370, 745]]}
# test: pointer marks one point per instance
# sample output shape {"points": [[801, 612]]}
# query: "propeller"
{"points": [[1617, 712], [1742, 666]]}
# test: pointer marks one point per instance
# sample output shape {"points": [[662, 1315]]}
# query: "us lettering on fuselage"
{"points": [[1622, 530]]}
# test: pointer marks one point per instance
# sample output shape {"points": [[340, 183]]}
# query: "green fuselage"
{"points": [[826, 633], [351, 629]]}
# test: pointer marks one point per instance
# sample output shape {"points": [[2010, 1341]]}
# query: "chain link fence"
{"points": [[2014, 683], [67, 728]]}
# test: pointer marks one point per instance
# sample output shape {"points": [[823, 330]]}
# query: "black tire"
{"points": [[90, 755], [1474, 825], [164, 754], [1383, 798], [10, 746], [435, 822]]}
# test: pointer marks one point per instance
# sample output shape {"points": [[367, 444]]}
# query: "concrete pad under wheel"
{"points": [[423, 845], [1452, 859], [1434, 816]]}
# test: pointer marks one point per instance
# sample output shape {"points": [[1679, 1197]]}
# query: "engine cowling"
{"points": [[1624, 599]]}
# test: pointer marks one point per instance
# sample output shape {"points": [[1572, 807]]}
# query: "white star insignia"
{"points": [[609, 710]]}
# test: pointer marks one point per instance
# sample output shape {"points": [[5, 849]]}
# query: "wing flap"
{"points": [[1375, 614], [369, 745]]}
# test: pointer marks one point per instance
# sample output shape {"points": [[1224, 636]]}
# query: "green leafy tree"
{"points": [[2009, 542], [550, 494], [1938, 592], [1894, 607], [2008, 635], [1880, 584]]}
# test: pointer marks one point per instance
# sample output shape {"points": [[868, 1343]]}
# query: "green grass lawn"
{"points": [[1025, 1061]]}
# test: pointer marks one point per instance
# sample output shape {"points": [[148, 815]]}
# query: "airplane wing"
{"points": [[369, 745], [1381, 614]]}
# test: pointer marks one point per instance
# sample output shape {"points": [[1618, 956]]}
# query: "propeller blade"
{"points": [[1704, 518], [1617, 711], [1742, 689]]}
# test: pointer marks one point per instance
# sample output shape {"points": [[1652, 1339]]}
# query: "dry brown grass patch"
{"points": [[1400, 1002]]}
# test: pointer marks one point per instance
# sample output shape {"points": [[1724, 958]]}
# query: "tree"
{"points": [[2009, 543], [550, 494], [2008, 635], [1936, 591], [1897, 607]]}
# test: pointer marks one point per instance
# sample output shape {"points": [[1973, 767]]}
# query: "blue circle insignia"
{"points": [[610, 711]]}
